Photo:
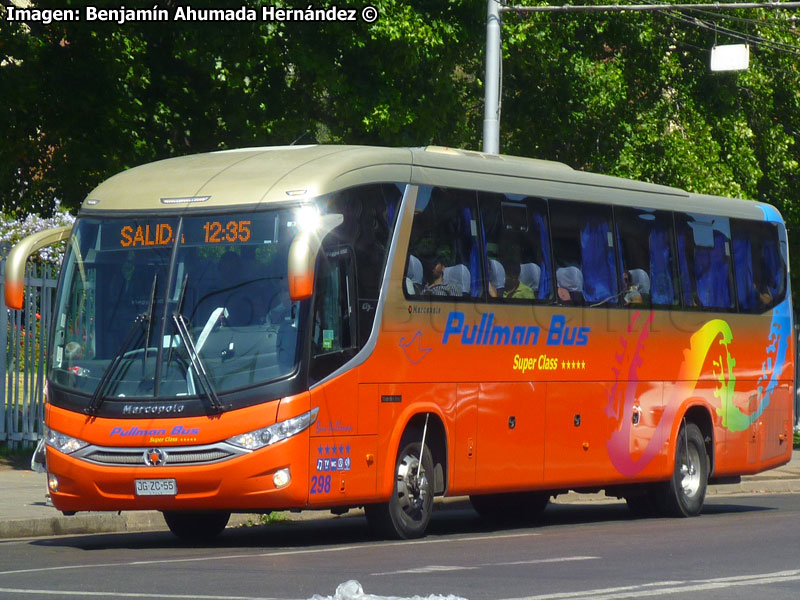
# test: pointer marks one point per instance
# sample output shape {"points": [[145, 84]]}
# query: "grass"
{"points": [[797, 439], [268, 519]]}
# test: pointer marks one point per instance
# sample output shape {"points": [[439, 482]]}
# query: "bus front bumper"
{"points": [[251, 482]]}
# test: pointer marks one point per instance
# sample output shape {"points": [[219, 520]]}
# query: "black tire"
{"points": [[683, 495], [517, 506], [196, 526], [408, 512]]}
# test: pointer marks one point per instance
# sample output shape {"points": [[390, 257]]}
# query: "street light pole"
{"points": [[491, 83]]}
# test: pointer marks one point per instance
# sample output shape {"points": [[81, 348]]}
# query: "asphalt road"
{"points": [[741, 547]]}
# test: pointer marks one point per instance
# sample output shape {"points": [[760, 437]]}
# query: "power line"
{"points": [[754, 40], [569, 8]]}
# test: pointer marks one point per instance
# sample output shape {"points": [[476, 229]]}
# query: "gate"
{"points": [[23, 357]]}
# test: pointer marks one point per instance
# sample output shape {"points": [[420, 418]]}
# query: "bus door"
{"points": [[338, 468]]}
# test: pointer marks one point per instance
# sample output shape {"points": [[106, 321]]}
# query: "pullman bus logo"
{"points": [[155, 457]]}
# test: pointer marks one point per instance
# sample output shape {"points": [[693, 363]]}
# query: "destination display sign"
{"points": [[154, 233]]}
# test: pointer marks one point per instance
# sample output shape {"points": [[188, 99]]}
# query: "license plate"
{"points": [[156, 487]]}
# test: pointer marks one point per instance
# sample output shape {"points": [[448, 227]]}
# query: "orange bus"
{"points": [[335, 327]]}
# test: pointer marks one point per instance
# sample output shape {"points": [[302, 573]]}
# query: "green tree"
{"points": [[627, 94], [89, 99]]}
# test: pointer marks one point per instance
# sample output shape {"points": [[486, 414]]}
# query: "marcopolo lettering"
{"points": [[152, 409], [490, 333]]}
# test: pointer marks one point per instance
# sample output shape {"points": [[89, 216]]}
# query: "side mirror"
{"points": [[303, 256], [15, 263]]}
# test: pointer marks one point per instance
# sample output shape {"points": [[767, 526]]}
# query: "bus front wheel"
{"points": [[196, 526], [408, 511], [683, 495]]}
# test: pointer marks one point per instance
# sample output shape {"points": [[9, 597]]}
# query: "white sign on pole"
{"points": [[735, 57]]}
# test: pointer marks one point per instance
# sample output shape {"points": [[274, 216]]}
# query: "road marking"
{"points": [[666, 588], [440, 568], [84, 594], [541, 561], [166, 561], [428, 569]]}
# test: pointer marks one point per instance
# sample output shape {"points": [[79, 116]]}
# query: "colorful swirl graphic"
{"points": [[712, 341]]}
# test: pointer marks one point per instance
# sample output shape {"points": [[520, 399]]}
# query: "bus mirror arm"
{"points": [[303, 256], [15, 263]]}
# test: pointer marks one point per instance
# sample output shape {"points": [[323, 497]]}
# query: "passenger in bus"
{"points": [[530, 274], [570, 285], [413, 276], [514, 288], [497, 279], [636, 284], [433, 276]]}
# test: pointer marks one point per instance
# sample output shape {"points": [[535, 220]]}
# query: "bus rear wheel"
{"points": [[196, 526], [408, 512], [683, 495]]}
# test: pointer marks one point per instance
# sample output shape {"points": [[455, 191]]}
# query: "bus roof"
{"points": [[253, 177]]}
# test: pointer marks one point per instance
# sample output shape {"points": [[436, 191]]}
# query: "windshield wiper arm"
{"points": [[99, 392], [196, 361], [149, 323], [145, 317]]}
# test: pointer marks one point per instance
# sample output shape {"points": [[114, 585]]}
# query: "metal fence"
{"points": [[23, 351]]}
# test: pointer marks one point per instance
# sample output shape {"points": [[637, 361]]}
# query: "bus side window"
{"points": [[583, 247], [646, 257], [444, 251], [758, 266], [517, 259], [333, 339], [704, 258], [369, 213]]}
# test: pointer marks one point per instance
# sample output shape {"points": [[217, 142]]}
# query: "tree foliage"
{"points": [[627, 94]]}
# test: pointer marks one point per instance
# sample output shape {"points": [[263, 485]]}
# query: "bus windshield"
{"points": [[172, 306]]}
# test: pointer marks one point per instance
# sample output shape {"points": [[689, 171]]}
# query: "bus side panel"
{"points": [[338, 405], [575, 439], [510, 436], [738, 451], [777, 419], [343, 445], [638, 428], [465, 446], [342, 470]]}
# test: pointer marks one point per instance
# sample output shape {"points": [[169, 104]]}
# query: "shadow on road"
{"points": [[452, 519]]}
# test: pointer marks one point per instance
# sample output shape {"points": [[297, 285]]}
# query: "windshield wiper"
{"points": [[197, 363], [149, 323], [146, 317], [99, 393]]}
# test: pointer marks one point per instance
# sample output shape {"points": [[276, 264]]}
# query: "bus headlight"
{"points": [[61, 442], [253, 440]]}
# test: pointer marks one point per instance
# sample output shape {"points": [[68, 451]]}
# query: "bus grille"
{"points": [[174, 455]]}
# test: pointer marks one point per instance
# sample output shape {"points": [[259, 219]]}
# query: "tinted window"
{"points": [[583, 250], [369, 216], [758, 264], [646, 257], [704, 258], [518, 253], [444, 257]]}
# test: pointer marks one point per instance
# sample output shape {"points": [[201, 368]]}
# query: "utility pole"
{"points": [[494, 50], [493, 80]]}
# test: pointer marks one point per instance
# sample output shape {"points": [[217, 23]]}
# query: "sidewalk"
{"points": [[24, 511]]}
